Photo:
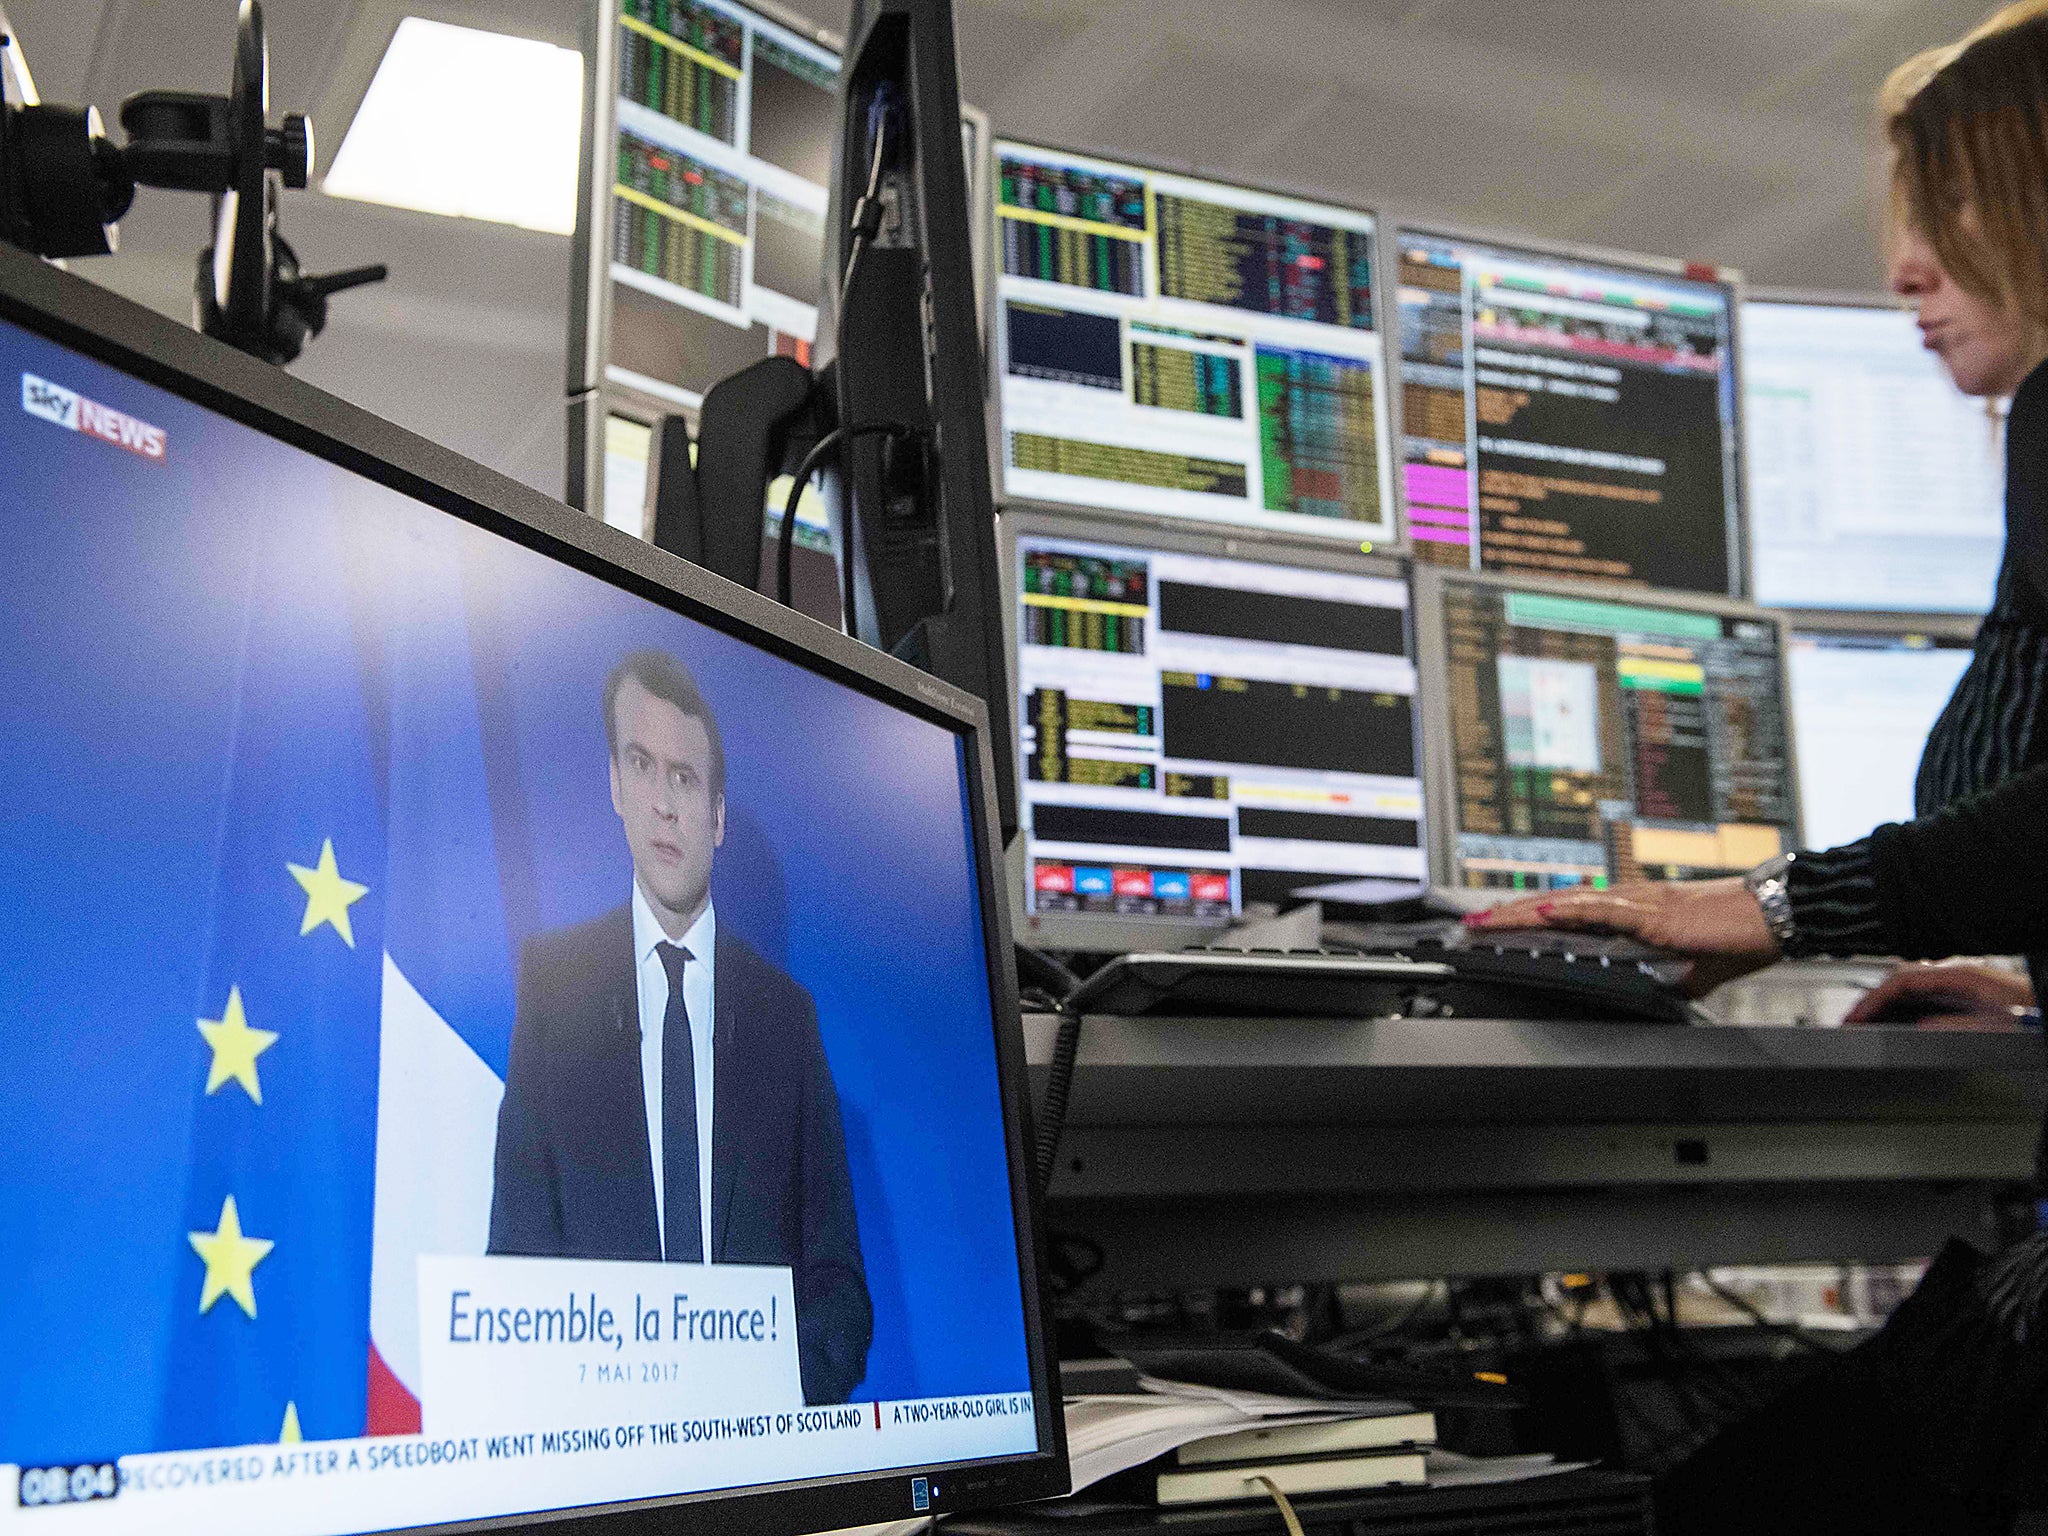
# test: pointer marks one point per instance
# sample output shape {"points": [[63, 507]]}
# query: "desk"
{"points": [[1207, 1152]]}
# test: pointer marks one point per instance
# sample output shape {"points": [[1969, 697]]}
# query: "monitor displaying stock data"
{"points": [[1874, 483], [1565, 416], [1592, 740], [337, 1195], [716, 204], [1201, 732], [1862, 705], [705, 231], [1182, 347]]}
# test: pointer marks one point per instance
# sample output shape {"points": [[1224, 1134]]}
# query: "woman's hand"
{"points": [[1715, 923], [1960, 996]]}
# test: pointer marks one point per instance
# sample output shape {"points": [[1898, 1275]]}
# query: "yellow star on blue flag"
{"points": [[328, 896], [235, 1048], [230, 1260]]}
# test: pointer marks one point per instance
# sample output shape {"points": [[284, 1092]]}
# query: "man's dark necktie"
{"points": [[682, 1208]]}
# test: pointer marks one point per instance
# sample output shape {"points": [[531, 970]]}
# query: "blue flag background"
{"points": [[299, 783]]}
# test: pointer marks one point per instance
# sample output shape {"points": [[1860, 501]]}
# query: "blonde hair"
{"points": [[1967, 126]]}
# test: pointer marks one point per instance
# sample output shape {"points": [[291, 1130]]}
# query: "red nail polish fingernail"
{"points": [[1546, 908]]}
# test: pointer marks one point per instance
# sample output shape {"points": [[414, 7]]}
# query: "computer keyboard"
{"points": [[1424, 977]]}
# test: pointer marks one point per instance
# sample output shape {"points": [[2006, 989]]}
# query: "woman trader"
{"points": [[1941, 1421], [1968, 133]]}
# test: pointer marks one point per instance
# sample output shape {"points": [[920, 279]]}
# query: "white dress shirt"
{"points": [[699, 978]]}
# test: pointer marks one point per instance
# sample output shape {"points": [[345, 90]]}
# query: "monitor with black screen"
{"points": [[1862, 705], [1203, 732], [1589, 740], [1874, 484], [439, 925], [1565, 415], [1188, 348]]}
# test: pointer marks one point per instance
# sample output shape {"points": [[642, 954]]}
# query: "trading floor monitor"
{"points": [[1862, 705], [1188, 348], [701, 220], [1589, 740], [1567, 416], [504, 1026], [1205, 732], [1874, 484], [706, 207]]}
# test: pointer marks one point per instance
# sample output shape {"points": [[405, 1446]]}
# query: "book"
{"points": [[1320, 1474], [1109, 1434], [1284, 1441]]}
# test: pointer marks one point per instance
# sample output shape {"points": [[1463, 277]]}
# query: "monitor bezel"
{"points": [[1948, 623], [1117, 934], [109, 329], [1433, 663], [1388, 404], [1735, 468]]}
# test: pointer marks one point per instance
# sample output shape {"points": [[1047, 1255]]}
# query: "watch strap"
{"points": [[1769, 884]]}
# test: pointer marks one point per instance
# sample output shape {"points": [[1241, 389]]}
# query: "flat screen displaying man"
{"points": [[497, 1045]]}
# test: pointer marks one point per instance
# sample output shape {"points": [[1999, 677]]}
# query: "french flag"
{"points": [[448, 986]]}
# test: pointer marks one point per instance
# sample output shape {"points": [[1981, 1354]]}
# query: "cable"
{"points": [[1742, 1303], [1059, 1085], [785, 533], [865, 221], [1039, 972], [1348, 1343], [785, 536], [1051, 983], [1272, 1489]]}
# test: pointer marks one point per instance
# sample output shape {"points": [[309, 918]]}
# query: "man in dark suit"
{"points": [[668, 1095]]}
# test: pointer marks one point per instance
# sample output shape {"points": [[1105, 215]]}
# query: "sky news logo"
{"points": [[72, 411]]}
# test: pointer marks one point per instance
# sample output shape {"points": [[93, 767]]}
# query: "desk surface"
{"points": [[1154, 1071], [1263, 1149]]}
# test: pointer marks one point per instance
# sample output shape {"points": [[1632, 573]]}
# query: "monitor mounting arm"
{"points": [[64, 187]]}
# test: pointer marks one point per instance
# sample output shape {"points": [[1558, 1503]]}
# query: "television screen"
{"points": [[483, 1042]]}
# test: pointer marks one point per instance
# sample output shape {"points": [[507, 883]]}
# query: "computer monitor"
{"points": [[701, 215], [1205, 727], [429, 910], [1587, 739], [1187, 348], [916, 517], [1862, 705], [1567, 415], [707, 220], [1873, 483]]}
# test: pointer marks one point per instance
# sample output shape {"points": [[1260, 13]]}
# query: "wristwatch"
{"points": [[1767, 883]]}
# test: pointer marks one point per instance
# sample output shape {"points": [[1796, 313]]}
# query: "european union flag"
{"points": [[269, 1326]]}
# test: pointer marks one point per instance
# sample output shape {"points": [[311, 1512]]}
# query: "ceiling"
{"points": [[1735, 131]]}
